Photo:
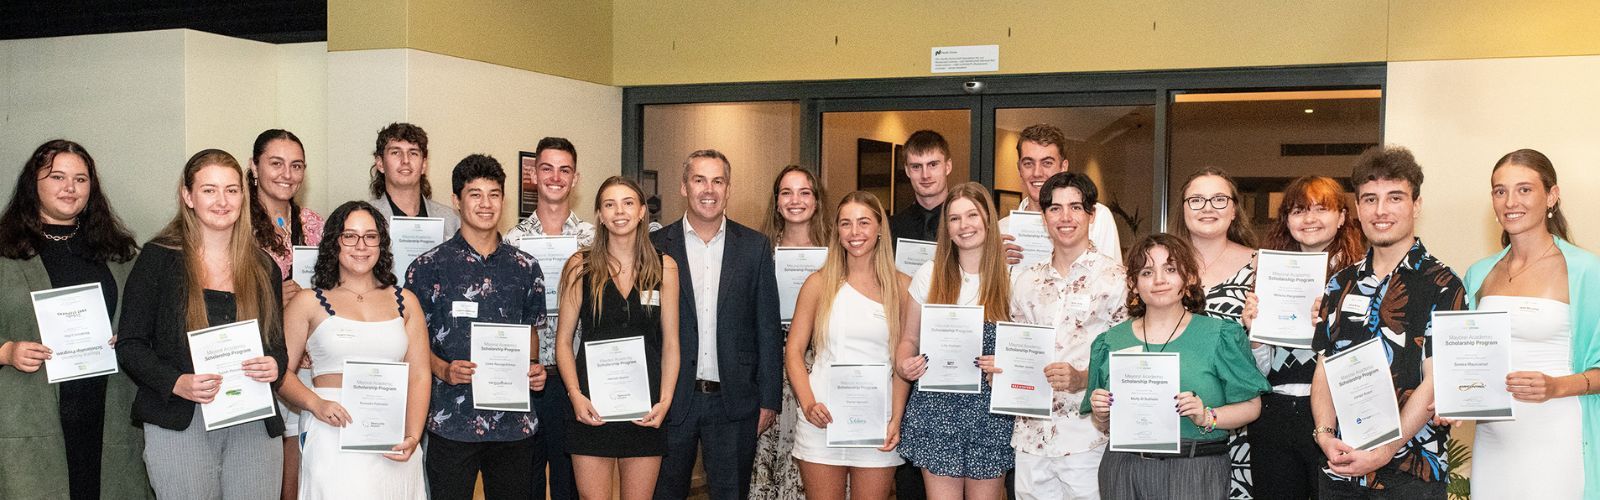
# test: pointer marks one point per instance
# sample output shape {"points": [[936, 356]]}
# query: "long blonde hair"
{"points": [[597, 259], [252, 288], [818, 228], [835, 271], [994, 286]]}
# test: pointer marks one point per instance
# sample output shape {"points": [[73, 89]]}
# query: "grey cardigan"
{"points": [[452, 222]]}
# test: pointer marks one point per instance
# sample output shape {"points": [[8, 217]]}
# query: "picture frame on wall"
{"points": [[527, 164], [1006, 199]]}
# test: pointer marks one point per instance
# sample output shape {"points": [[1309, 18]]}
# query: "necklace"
{"points": [[1164, 344], [1511, 276], [360, 297], [64, 237]]}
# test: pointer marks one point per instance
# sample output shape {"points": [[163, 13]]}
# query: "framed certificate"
{"points": [[410, 237], [374, 393], [1471, 358], [502, 353], [74, 324], [792, 266], [1287, 285], [1363, 395], [1144, 419], [552, 253], [619, 378], [1021, 351], [858, 399], [952, 338], [222, 350]]}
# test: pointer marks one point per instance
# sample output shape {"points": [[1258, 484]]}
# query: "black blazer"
{"points": [[749, 342], [152, 345]]}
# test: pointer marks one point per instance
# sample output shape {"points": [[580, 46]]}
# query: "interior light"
{"points": [[1309, 111]]}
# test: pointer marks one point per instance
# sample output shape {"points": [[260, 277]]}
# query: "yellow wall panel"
{"points": [[1481, 29], [366, 24], [569, 38]]}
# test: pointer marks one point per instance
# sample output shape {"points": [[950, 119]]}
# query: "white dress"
{"points": [[858, 332], [1539, 455], [325, 471]]}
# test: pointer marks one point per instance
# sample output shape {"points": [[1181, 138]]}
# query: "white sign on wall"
{"points": [[966, 59]]}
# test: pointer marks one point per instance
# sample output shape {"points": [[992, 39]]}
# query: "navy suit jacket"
{"points": [[749, 342]]}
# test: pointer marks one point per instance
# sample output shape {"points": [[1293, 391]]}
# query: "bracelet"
{"points": [[1211, 419]]}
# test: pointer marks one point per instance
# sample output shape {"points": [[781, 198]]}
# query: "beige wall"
{"points": [[759, 139]]}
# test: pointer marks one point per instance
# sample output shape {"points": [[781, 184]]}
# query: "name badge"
{"points": [[650, 298], [1356, 304], [464, 309], [1079, 302]]}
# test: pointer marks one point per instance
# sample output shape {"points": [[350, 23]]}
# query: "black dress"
{"points": [[620, 317]]}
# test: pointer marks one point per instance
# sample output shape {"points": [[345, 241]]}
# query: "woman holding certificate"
{"points": [[797, 219], [202, 271], [1551, 290], [67, 439], [624, 296], [1217, 387], [845, 323], [358, 444], [963, 450]]}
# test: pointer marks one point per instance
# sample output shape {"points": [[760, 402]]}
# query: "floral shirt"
{"points": [[310, 229], [1089, 300], [1360, 305], [504, 287]]}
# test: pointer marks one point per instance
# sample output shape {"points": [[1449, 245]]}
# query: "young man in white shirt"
{"points": [[1039, 156]]}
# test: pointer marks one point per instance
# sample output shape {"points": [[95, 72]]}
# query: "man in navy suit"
{"points": [[731, 373]]}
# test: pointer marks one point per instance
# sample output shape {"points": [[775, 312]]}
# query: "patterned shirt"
{"points": [[504, 287], [1089, 300], [310, 230], [532, 226], [1399, 309]]}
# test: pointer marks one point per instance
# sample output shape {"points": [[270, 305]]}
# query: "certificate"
{"points": [[502, 353], [222, 350], [1287, 284], [305, 265], [1471, 357], [1146, 420], [1028, 229], [1021, 351], [410, 237], [858, 400], [952, 338], [910, 254], [552, 253], [1363, 395], [73, 323], [374, 393], [619, 378], [793, 265]]}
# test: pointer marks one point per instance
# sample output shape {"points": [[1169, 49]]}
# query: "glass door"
{"points": [[861, 143]]}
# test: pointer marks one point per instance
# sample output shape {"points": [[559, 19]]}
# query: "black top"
{"points": [[916, 222], [620, 318], [81, 404], [422, 207], [152, 342]]}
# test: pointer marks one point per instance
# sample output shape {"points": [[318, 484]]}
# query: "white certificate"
{"points": [[910, 254], [374, 393], [858, 400], [619, 378], [1021, 351], [1287, 284], [1471, 357], [552, 253], [410, 237], [73, 323], [502, 353], [1028, 229], [793, 265], [222, 350], [305, 265], [1363, 395], [1146, 420], [952, 339]]}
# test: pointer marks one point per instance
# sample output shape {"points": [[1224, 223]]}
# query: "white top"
{"points": [[1102, 232], [705, 269], [858, 333], [338, 339], [922, 281], [1541, 332]]}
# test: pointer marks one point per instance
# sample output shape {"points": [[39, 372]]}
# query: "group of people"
{"points": [[742, 392]]}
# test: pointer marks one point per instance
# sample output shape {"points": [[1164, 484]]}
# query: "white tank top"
{"points": [[339, 338]]}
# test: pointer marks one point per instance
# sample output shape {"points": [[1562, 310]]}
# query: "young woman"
{"points": [[963, 450], [334, 323], [70, 439], [796, 218], [1551, 289], [618, 288], [1220, 384], [848, 313], [1315, 216], [202, 270]]}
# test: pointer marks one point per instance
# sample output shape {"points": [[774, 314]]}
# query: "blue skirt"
{"points": [[954, 435]]}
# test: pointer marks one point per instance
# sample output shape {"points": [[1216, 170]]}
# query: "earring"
{"points": [[1550, 214]]}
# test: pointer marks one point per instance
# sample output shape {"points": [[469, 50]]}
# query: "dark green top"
{"points": [[1214, 363]]}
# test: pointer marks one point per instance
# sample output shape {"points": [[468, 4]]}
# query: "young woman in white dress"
{"points": [[847, 313], [357, 311]]}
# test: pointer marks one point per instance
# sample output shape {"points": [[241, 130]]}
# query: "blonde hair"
{"points": [[597, 259], [994, 287], [835, 270]]}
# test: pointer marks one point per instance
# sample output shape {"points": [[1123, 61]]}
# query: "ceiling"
{"points": [[273, 21]]}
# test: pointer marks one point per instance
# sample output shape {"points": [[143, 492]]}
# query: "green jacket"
{"points": [[33, 458]]}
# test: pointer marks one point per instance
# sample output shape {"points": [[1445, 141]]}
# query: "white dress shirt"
{"points": [[705, 269]]}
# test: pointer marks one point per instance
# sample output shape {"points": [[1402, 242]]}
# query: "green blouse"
{"points": [[1215, 364]]}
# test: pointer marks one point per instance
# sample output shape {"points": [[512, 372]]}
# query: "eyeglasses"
{"points": [[1218, 202], [350, 239]]}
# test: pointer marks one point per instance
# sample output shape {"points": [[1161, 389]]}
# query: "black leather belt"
{"points": [[1190, 449], [707, 386]]}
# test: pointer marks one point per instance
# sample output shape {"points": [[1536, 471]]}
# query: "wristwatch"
{"points": [[1317, 432]]}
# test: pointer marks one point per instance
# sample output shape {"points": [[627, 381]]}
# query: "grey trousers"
{"points": [[1127, 476], [236, 463]]}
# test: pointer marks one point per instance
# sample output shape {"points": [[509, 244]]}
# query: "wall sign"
{"points": [[966, 59]]}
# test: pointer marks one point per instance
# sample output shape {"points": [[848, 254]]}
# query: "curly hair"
{"points": [[403, 132], [1181, 255], [326, 273], [22, 230]]}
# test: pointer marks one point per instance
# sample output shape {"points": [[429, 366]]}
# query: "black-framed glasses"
{"points": [[350, 239], [1218, 202]]}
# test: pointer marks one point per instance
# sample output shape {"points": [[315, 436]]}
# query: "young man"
{"points": [[731, 380], [1082, 293], [469, 278], [1039, 157], [1390, 295], [400, 177], [928, 164], [555, 174]]}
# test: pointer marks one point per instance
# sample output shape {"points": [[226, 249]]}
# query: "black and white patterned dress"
{"points": [[1225, 300]]}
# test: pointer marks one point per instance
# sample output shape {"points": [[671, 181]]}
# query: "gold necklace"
{"points": [[1512, 276], [360, 297]]}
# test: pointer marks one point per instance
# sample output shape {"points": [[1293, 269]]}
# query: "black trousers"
{"points": [[550, 449], [1396, 485], [1284, 461], [453, 468]]}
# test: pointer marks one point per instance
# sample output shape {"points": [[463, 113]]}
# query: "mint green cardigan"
{"points": [[1583, 290], [33, 457]]}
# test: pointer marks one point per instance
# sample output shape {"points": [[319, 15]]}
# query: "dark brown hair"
{"points": [[266, 232], [1348, 244], [22, 230], [1043, 134], [327, 274], [1239, 229], [1387, 163], [1182, 256], [405, 132], [923, 141], [820, 229], [1554, 221]]}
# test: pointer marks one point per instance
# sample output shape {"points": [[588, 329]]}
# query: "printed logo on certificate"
{"points": [[503, 353], [619, 378], [1471, 358], [1144, 419], [374, 393], [74, 324], [858, 399], [222, 350], [1363, 395], [952, 337]]}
